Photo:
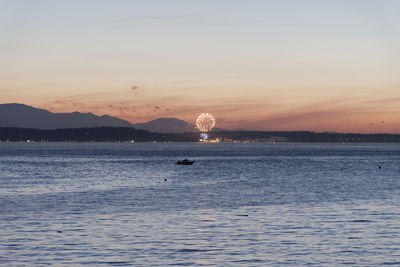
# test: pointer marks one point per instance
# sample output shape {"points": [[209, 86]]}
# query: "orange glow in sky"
{"points": [[262, 65]]}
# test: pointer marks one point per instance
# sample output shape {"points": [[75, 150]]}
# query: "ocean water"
{"points": [[112, 204]]}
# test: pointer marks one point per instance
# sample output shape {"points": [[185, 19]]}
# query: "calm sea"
{"points": [[238, 205]]}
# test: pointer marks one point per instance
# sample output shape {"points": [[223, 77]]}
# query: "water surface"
{"points": [[239, 204]]}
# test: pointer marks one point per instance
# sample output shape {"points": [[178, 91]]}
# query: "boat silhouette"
{"points": [[184, 162]]}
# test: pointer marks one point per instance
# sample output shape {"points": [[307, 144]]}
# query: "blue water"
{"points": [[116, 204]]}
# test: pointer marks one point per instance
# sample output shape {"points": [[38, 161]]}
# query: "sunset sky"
{"points": [[265, 65]]}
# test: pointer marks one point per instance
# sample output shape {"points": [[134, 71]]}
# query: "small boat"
{"points": [[184, 162]]}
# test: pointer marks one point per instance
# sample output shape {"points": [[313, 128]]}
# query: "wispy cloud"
{"points": [[146, 19], [336, 114]]}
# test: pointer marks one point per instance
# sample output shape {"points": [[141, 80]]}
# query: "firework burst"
{"points": [[205, 122]]}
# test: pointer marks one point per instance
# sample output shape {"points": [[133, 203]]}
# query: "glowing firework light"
{"points": [[204, 136], [205, 122]]}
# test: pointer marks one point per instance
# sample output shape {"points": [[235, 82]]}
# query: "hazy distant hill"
{"points": [[23, 116], [170, 125], [166, 125]]}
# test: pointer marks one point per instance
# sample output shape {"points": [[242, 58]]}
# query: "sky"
{"points": [[262, 65]]}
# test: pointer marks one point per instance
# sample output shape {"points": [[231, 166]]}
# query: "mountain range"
{"points": [[24, 116], [20, 122]]}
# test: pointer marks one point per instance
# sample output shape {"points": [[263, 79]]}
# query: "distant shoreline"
{"points": [[131, 135]]}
